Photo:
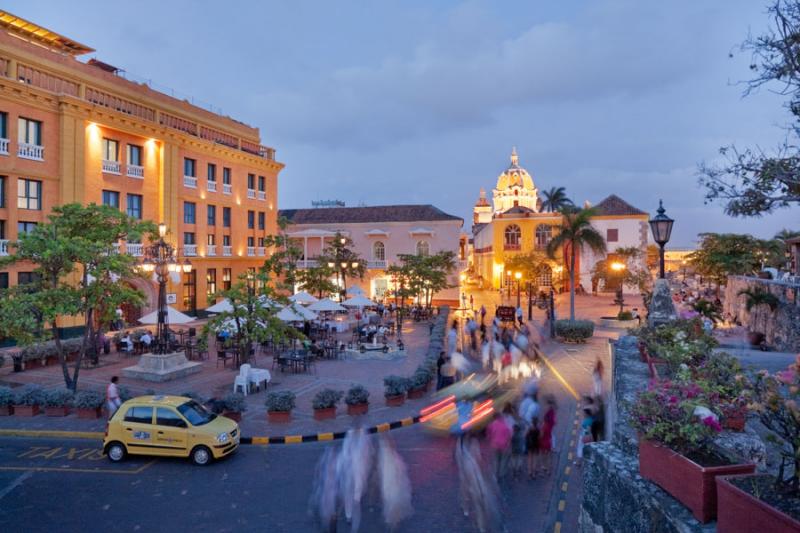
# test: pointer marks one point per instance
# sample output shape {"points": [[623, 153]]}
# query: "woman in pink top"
{"points": [[546, 435], [499, 436]]}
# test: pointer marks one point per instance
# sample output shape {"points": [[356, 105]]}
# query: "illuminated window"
{"points": [[379, 251], [29, 131], [110, 150], [544, 234], [513, 236], [226, 279], [211, 282], [29, 194], [423, 248]]}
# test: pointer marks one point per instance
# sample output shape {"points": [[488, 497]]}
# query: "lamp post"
{"points": [[340, 265], [661, 226], [619, 267], [518, 277], [508, 284], [530, 300], [162, 258]]}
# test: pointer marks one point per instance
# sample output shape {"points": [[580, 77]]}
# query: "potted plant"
{"points": [[418, 383], [6, 401], [234, 406], [357, 400], [27, 400], [88, 403], [675, 449], [279, 406], [324, 403], [56, 402], [756, 297], [763, 502], [395, 388], [722, 378]]}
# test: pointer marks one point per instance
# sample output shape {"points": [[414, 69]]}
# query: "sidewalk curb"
{"points": [[260, 440]]}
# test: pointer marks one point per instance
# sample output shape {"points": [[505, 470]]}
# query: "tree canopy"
{"points": [[720, 255], [555, 199], [423, 276]]}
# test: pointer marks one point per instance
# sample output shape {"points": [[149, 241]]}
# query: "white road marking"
{"points": [[16, 483]]}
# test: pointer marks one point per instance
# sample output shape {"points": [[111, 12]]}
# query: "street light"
{"points": [[518, 277], [508, 283], [618, 267], [661, 226], [162, 258]]}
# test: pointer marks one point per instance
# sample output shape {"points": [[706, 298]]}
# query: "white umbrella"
{"points": [[221, 307], [307, 314], [358, 301], [267, 302], [355, 289], [303, 297], [326, 305], [173, 317], [288, 315]]}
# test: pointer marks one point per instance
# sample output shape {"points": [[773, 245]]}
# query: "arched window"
{"points": [[544, 235], [513, 236], [423, 248], [545, 277], [378, 251]]}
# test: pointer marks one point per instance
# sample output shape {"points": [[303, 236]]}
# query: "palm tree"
{"points": [[555, 199], [576, 232], [755, 297]]}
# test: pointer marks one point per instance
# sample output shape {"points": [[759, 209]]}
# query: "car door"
{"points": [[170, 431], [138, 429]]}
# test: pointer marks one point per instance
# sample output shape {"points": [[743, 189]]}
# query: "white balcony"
{"points": [[211, 250], [227, 251], [190, 182], [251, 251], [134, 249], [110, 167], [211, 186], [116, 246], [135, 171], [3, 146], [190, 250], [31, 151], [251, 194], [3, 246], [307, 263], [378, 264], [227, 188], [261, 251], [262, 195]]}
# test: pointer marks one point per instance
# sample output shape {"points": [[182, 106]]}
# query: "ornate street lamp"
{"points": [[619, 267], [661, 226], [162, 258]]}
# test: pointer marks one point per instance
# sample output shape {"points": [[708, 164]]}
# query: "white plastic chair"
{"points": [[242, 379]]}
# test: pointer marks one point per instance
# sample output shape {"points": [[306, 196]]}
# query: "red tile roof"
{"points": [[377, 213], [614, 205]]}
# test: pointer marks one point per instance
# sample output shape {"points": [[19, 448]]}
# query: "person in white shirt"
{"points": [[113, 400], [146, 339], [127, 342]]}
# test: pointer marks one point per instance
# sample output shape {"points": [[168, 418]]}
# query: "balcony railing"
{"points": [[261, 251], [512, 246], [31, 151], [3, 246], [134, 249], [135, 171], [227, 188], [227, 251], [190, 250], [211, 250], [190, 182], [262, 195], [377, 263], [3, 146], [211, 186], [116, 247], [110, 167], [251, 251], [251, 194], [307, 263]]}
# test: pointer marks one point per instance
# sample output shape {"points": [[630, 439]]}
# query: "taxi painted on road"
{"points": [[169, 426]]}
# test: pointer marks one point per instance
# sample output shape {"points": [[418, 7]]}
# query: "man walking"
{"points": [[112, 397]]}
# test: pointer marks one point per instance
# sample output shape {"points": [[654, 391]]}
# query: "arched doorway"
{"points": [[132, 313]]}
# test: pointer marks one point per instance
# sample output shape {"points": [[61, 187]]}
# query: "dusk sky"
{"points": [[420, 102]]}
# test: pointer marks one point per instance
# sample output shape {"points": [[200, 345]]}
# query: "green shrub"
{"points": [[282, 401], [6, 396], [574, 330], [234, 402], [357, 395], [419, 379], [395, 385], [625, 315], [326, 398], [29, 395], [88, 399], [57, 397]]}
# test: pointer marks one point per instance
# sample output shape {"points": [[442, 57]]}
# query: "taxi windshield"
{"points": [[196, 414]]}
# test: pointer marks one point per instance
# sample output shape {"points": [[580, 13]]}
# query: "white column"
{"points": [[305, 249]]}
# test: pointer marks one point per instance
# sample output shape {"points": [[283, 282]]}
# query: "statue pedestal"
{"points": [[161, 367], [662, 309]]}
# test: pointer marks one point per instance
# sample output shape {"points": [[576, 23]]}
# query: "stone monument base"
{"points": [[161, 367]]}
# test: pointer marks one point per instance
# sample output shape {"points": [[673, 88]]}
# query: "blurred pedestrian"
{"points": [[395, 484], [483, 313], [439, 364], [447, 373], [585, 434], [452, 338], [597, 378], [547, 436], [113, 400], [499, 436], [532, 439], [518, 448]]}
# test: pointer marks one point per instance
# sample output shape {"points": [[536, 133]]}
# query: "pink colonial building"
{"points": [[380, 234]]}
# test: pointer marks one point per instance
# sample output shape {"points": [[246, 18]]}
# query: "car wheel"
{"points": [[116, 452], [201, 456]]}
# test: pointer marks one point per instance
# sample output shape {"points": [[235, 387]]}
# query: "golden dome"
{"points": [[514, 175]]}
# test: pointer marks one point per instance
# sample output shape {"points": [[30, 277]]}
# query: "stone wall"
{"points": [[782, 326]]}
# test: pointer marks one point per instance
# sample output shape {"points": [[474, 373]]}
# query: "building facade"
{"points": [[75, 131], [379, 235], [514, 223]]}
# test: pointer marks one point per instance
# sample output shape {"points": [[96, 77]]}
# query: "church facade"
{"points": [[514, 222]]}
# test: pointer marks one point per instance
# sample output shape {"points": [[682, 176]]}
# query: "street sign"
{"points": [[506, 313]]}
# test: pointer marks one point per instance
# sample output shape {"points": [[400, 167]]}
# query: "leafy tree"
{"points": [[317, 280], [346, 261], [423, 275], [576, 232], [555, 200], [281, 266], [532, 265], [708, 309], [728, 254], [756, 297], [77, 274], [752, 182]]}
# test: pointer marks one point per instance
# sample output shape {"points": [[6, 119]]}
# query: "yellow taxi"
{"points": [[169, 426]]}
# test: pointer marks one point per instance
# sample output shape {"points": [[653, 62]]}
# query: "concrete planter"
{"points": [[396, 400], [279, 417], [612, 322], [6, 410], [741, 512], [417, 393], [689, 483], [26, 410], [357, 409], [88, 412], [325, 413], [62, 410]]}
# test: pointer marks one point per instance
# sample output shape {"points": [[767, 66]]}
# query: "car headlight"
{"points": [[222, 438]]}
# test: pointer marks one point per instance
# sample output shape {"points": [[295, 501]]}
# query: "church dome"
{"points": [[514, 175]]}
